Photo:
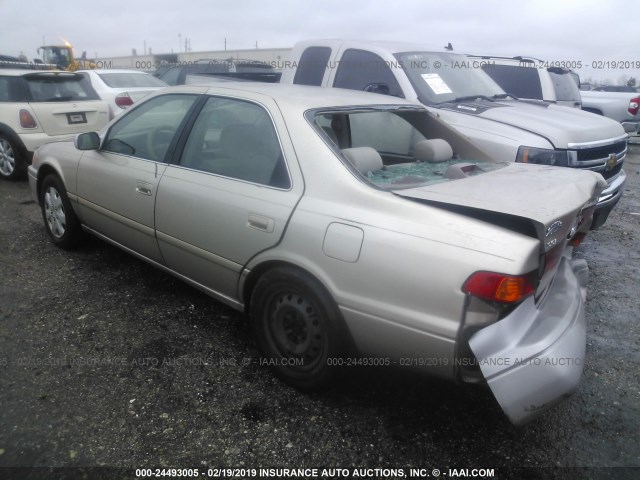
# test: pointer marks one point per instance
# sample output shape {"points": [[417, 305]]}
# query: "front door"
{"points": [[117, 185]]}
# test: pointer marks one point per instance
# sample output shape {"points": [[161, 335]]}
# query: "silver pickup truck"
{"points": [[623, 107], [533, 79], [461, 94]]}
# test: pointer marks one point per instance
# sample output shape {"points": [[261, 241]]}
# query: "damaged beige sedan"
{"points": [[342, 223]]}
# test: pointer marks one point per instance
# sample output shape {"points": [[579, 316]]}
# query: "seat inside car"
{"points": [[433, 150], [365, 159]]}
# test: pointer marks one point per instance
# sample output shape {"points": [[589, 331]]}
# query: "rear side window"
{"points": [[384, 131], [59, 88], [312, 65], [12, 90], [362, 70], [521, 81], [236, 139], [565, 87]]}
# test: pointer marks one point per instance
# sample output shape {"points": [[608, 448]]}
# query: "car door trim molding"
{"points": [[116, 217], [199, 252]]}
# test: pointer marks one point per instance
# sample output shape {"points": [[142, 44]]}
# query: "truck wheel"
{"points": [[298, 327], [60, 220], [12, 163]]}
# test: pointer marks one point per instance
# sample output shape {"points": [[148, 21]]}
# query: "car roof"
{"points": [[300, 97], [393, 47], [500, 59], [15, 72]]}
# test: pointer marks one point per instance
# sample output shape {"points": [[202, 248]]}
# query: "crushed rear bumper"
{"points": [[534, 357]]}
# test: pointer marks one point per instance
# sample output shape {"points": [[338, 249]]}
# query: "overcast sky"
{"points": [[588, 31]]}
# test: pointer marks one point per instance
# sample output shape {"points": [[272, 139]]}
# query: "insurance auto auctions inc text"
{"points": [[357, 473]]}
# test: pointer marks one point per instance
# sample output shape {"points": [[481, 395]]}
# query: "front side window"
{"points": [[236, 138], [148, 130]]}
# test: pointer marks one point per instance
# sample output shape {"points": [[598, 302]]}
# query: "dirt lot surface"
{"points": [[105, 361]]}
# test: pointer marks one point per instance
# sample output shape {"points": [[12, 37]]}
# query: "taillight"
{"points": [[27, 120], [123, 100], [551, 259], [577, 239], [500, 287], [634, 106]]}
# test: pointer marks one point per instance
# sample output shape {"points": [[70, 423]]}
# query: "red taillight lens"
{"points": [[634, 106], [577, 239], [123, 100], [27, 120], [499, 287], [551, 259]]}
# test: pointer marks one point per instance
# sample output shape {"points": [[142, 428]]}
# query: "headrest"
{"points": [[365, 159], [434, 150]]}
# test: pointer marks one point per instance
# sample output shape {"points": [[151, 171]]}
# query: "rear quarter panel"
{"points": [[401, 294]]}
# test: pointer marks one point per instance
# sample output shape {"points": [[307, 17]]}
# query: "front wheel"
{"points": [[60, 220], [298, 327]]}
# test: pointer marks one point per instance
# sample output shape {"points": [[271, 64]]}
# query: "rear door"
{"points": [[65, 103], [117, 184], [229, 196]]}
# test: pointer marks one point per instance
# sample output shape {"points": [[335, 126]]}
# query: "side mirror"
{"points": [[381, 88], [87, 141]]}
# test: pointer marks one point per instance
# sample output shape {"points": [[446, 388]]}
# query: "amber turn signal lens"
{"points": [[498, 287]]}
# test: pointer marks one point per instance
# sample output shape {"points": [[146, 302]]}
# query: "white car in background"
{"points": [[38, 107], [122, 88]]}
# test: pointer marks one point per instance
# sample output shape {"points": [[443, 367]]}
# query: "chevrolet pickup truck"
{"points": [[455, 89], [531, 78]]}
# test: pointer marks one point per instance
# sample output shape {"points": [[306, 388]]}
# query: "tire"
{"points": [[12, 160], [298, 327], [60, 220]]}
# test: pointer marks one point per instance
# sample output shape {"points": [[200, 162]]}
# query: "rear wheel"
{"points": [[298, 327], [12, 163], [60, 220]]}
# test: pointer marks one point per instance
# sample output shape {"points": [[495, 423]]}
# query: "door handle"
{"points": [[261, 223], [143, 188]]}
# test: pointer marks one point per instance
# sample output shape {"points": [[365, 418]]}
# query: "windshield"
{"points": [[444, 77], [398, 149], [59, 88], [57, 55], [129, 80]]}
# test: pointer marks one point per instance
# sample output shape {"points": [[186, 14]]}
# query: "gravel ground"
{"points": [[105, 361]]}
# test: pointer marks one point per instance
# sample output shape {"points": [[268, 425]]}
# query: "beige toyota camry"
{"points": [[353, 229]]}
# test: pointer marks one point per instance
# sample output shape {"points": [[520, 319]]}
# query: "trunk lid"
{"points": [[544, 195], [61, 118], [551, 204]]}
